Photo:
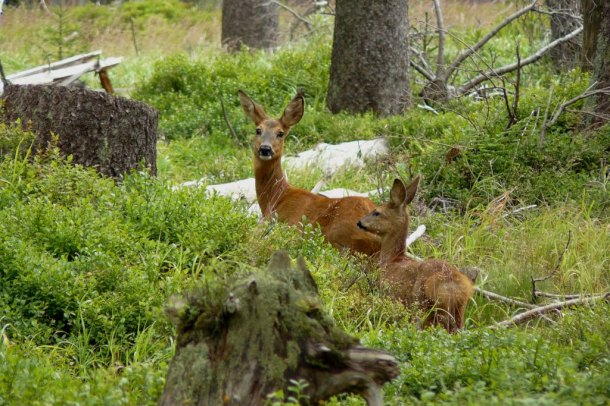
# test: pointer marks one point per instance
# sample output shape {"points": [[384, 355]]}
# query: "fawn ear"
{"points": [[294, 111], [254, 111], [398, 193], [411, 190]]}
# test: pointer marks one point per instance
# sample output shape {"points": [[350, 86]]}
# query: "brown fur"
{"points": [[336, 217], [434, 285]]}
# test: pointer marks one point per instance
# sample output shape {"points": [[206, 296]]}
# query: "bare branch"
{"points": [[563, 106], [553, 272], [422, 60], [224, 114], [562, 296], [499, 298], [509, 68], [440, 59], [422, 70], [471, 50], [540, 311], [291, 11]]}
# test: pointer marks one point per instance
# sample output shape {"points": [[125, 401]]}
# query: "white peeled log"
{"points": [[332, 158]]}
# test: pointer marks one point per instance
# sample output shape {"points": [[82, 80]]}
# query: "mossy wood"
{"points": [[113, 134], [238, 344]]}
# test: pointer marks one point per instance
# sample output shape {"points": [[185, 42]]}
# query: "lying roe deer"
{"points": [[336, 217], [434, 285]]}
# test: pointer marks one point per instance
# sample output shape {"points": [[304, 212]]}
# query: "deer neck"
{"points": [[270, 182], [393, 246]]}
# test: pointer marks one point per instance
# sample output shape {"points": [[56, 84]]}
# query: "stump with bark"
{"points": [[238, 344], [113, 134]]}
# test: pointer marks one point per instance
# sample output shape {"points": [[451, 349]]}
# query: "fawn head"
{"points": [[391, 217], [270, 132]]}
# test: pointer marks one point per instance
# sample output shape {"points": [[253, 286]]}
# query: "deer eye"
{"points": [[376, 213], [280, 134], [259, 131]]}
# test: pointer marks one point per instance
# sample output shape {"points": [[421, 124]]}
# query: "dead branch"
{"points": [[421, 70], [584, 95], [471, 50], [293, 12], [563, 296], [540, 311], [553, 272], [513, 66], [499, 298], [226, 118], [43, 5], [440, 59]]}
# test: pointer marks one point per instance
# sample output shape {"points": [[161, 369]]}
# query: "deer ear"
{"points": [[398, 193], [294, 111], [411, 190], [251, 109]]}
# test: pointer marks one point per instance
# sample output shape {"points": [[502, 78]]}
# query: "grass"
{"points": [[86, 265]]}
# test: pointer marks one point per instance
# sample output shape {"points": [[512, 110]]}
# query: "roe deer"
{"points": [[434, 285], [336, 217]]}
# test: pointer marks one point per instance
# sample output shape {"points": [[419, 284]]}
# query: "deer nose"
{"points": [[360, 225], [265, 151]]}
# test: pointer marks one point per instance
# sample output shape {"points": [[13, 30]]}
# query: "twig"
{"points": [[224, 114], [563, 106], [293, 12], [553, 272], [133, 36], [563, 296], [539, 311], [513, 66], [440, 59], [43, 5], [545, 119], [422, 71], [494, 296], [471, 50]]}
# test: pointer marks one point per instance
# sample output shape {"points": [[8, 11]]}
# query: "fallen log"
{"points": [[238, 344]]}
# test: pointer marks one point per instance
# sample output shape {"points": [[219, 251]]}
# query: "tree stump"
{"points": [[113, 134], [238, 344]]}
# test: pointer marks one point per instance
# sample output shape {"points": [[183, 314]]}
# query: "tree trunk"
{"points": [[370, 64], [238, 344], [113, 134], [254, 23], [591, 20], [596, 55], [565, 56]]}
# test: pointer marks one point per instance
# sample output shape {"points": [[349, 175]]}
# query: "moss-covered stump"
{"points": [[113, 134], [238, 344]]}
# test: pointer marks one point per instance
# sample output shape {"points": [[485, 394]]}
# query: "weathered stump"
{"points": [[113, 134], [237, 345]]}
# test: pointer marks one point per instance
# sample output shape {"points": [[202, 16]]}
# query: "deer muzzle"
{"points": [[265, 152]]}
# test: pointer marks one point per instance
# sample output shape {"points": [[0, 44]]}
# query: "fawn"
{"points": [[434, 285], [336, 217]]}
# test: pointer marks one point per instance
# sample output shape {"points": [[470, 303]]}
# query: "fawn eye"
{"points": [[376, 213], [280, 134], [259, 131]]}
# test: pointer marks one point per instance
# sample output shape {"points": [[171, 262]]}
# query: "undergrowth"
{"points": [[87, 264]]}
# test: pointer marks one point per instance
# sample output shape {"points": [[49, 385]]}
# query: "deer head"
{"points": [[270, 133], [391, 217]]}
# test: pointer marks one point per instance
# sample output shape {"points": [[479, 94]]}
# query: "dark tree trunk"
{"points": [[591, 12], [566, 55], [254, 23], [596, 55], [238, 344], [113, 134], [370, 63]]}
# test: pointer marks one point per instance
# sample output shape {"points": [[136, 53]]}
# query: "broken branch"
{"points": [[563, 106], [553, 272], [540, 311], [513, 66], [471, 50], [494, 296]]}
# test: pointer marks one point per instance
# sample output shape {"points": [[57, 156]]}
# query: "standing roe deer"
{"points": [[336, 217], [434, 285]]}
